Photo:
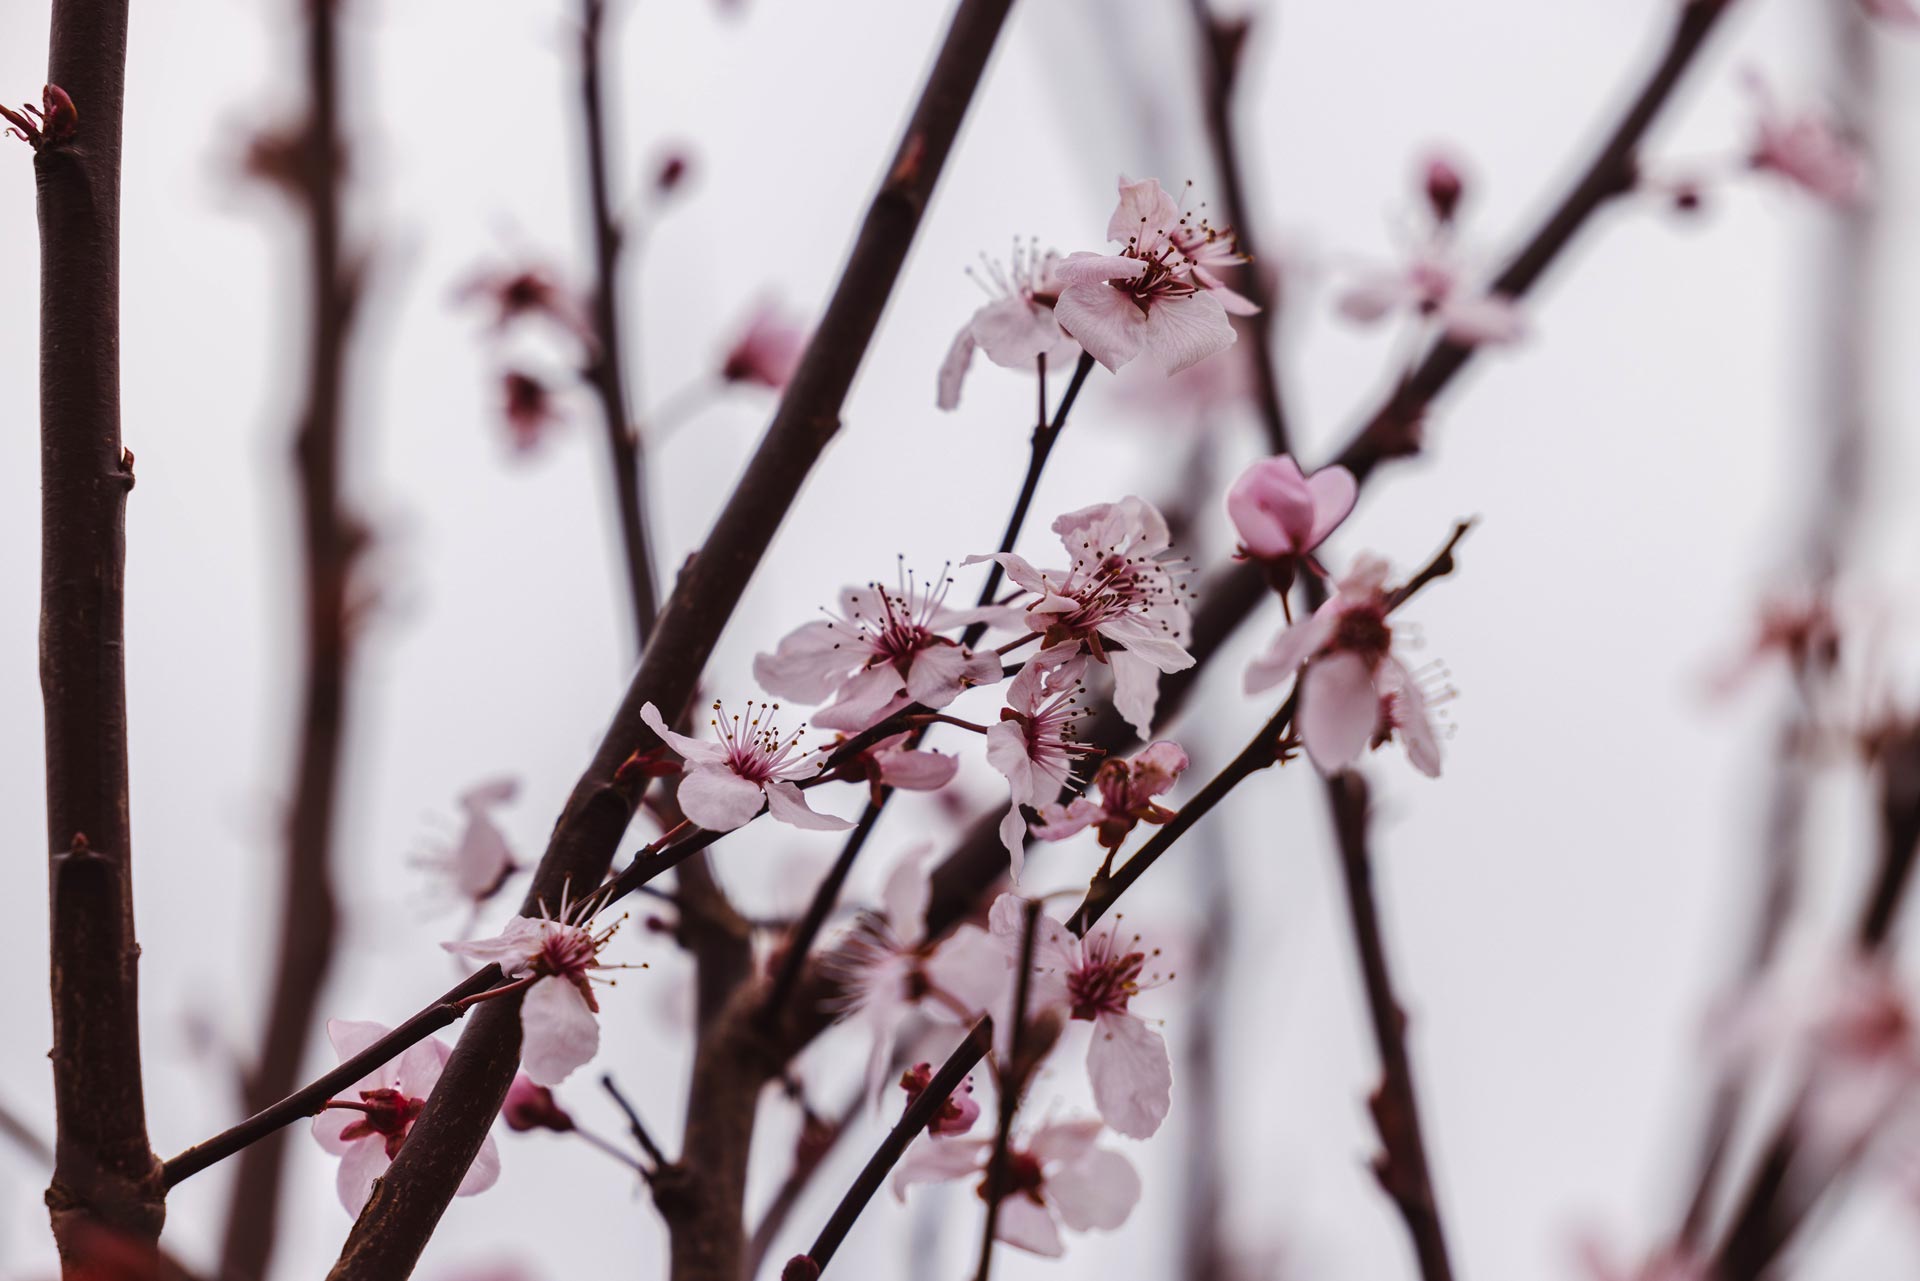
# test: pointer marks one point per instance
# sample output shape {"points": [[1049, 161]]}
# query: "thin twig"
{"points": [[1013, 1083], [635, 1126]]}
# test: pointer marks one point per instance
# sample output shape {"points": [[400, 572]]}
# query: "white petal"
{"points": [[1098, 1191], [1131, 1074], [1007, 753], [1182, 332], [328, 1125], [789, 804], [1065, 1141], [558, 1033], [364, 1162], [953, 370], [483, 1173], [908, 890], [1339, 710], [918, 771], [1290, 648], [809, 663], [691, 749], [1104, 321], [1029, 1227], [717, 798], [932, 1160]]}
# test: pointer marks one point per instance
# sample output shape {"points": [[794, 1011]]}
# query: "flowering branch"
{"points": [[607, 371], [104, 1172], [423, 1177], [1013, 1083], [330, 542], [1402, 1166]]}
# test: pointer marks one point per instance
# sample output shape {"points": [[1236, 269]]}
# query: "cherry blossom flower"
{"points": [[1032, 744], [1055, 1177], [1121, 588], [368, 1122], [1433, 285], [529, 408], [1283, 515], [1126, 791], [767, 351], [1016, 326], [1806, 148], [726, 782], [1158, 296], [894, 762], [552, 960], [1444, 187], [479, 861], [956, 1115], [52, 122], [1356, 692], [880, 652], [1897, 13], [528, 293], [1094, 980]]}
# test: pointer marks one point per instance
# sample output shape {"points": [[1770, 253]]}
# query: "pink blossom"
{"points": [[726, 782], [767, 351], [1665, 1264], [1794, 627], [479, 861], [1055, 1177], [528, 293], [1122, 587], [1356, 692], [1443, 185], [880, 965], [1807, 148], [895, 762], [553, 960], [1126, 792], [1016, 326], [880, 652], [956, 1115], [1433, 286], [1159, 295], [533, 1107], [1094, 980], [1032, 744], [530, 409], [368, 1122], [1283, 515], [1898, 13]]}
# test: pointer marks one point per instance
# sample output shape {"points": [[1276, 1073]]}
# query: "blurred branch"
{"points": [[626, 456], [709, 1240], [104, 1172], [1207, 1146], [807, 1162], [1014, 1074], [15, 1130], [1222, 42], [1402, 1166], [330, 542]]}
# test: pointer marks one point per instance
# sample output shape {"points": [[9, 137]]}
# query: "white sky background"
{"points": [[1558, 905]]}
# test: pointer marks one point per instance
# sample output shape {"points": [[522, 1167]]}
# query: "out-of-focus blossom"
{"points": [[1125, 792], [366, 1124], [1443, 185], [1795, 627], [894, 762], [1896, 13], [1282, 515], [1122, 587], [768, 350], [1433, 286], [727, 781], [881, 651], [529, 408], [956, 1115], [533, 1107], [1668, 1263], [480, 860], [553, 959], [1356, 692], [1055, 1177], [1016, 326], [1033, 745], [528, 293], [1158, 296], [1807, 148], [880, 966], [671, 172]]}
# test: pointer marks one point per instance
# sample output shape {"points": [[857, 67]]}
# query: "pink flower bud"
{"points": [[1281, 513], [800, 1268], [1444, 187], [532, 1107]]}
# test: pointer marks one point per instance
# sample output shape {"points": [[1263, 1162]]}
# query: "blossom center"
{"points": [[387, 1113], [1104, 984], [1363, 631], [1021, 1175]]}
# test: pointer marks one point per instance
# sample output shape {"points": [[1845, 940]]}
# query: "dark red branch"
{"points": [[1013, 1083], [408, 1203], [104, 1174]]}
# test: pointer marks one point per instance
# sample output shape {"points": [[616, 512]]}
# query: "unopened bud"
{"points": [[672, 172], [800, 1268], [1444, 188]]}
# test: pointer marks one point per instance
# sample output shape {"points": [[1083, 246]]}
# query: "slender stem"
{"points": [[330, 541], [1402, 1167], [626, 453], [635, 1126], [103, 1170], [800, 941], [1013, 1083], [613, 1150]]}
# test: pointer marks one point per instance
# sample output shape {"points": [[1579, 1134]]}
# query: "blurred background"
{"points": [[1564, 906]]}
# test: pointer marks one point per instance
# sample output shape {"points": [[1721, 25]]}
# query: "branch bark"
{"points": [[407, 1204], [105, 1174]]}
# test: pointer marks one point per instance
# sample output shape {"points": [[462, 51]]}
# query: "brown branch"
{"points": [[408, 1202], [330, 542], [104, 1175], [1402, 1165], [607, 369], [1013, 1083]]}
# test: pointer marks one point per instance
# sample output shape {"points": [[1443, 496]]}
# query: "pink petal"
{"points": [[1290, 648], [1334, 493], [718, 799], [1411, 721], [1013, 332], [789, 804], [932, 1160], [1065, 1141], [907, 892], [940, 672], [1145, 210], [328, 1125], [1013, 835], [1097, 1191], [365, 1161], [809, 663], [1094, 270], [918, 771], [483, 1173], [953, 370], [1029, 1227], [1103, 321], [861, 699], [1131, 1074], [1136, 688], [1489, 319], [690, 749], [1272, 508], [418, 1070], [1339, 710], [1375, 298], [558, 1033], [1181, 332], [971, 966], [1007, 753], [1058, 822]]}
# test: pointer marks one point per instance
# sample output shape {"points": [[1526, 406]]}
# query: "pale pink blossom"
{"points": [[1433, 286], [1668, 1263], [895, 762], [1793, 627], [881, 651], [1282, 515], [881, 964], [1807, 148], [1094, 980], [750, 765], [956, 1115], [1055, 1177], [1122, 589], [1158, 296], [528, 293], [768, 350], [1897, 13], [1032, 744], [479, 861], [529, 408], [1356, 692], [366, 1124], [1016, 326], [552, 960], [1122, 796]]}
